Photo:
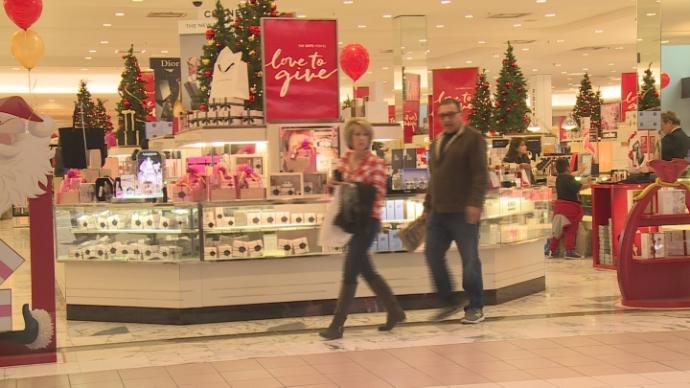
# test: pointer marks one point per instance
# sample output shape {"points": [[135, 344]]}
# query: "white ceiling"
{"points": [[70, 28]]}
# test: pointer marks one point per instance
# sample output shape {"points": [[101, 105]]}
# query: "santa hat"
{"points": [[16, 106]]}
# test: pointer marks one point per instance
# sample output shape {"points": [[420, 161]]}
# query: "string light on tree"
{"points": [[133, 98], [510, 114], [648, 99], [84, 108]]}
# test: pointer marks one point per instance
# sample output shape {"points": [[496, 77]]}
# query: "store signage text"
{"points": [[302, 69]]}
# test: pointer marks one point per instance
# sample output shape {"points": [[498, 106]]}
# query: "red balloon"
{"points": [[23, 13], [665, 79], [354, 60]]}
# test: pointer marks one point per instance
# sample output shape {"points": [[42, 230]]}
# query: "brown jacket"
{"points": [[460, 179]]}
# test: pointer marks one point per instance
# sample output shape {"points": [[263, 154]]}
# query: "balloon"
{"points": [[27, 47], [24, 13], [665, 79], [354, 59]]}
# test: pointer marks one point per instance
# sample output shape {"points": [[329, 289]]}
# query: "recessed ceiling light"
{"points": [[541, 1], [107, 25], [340, 43], [560, 41], [423, 40], [301, 15], [92, 51], [517, 25], [481, 42], [387, 16], [164, 51], [495, 56], [88, 58], [84, 69], [640, 39], [104, 42], [535, 70], [348, 1], [585, 69], [361, 26], [468, 62], [585, 54], [119, 14], [651, 14], [525, 49], [613, 71], [385, 68], [469, 16], [550, 14], [137, 1], [598, 31], [564, 72], [665, 41], [16, 68], [619, 48], [557, 64], [447, 67], [440, 26], [612, 64], [445, 1], [409, 58], [370, 72]]}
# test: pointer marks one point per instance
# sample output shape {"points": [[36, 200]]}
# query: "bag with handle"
{"points": [[413, 234], [332, 235]]}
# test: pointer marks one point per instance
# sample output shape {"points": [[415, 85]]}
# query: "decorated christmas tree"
{"points": [[246, 29], [84, 115], [217, 37], [648, 99], [480, 117], [510, 103], [595, 121], [132, 109], [585, 98], [102, 116]]}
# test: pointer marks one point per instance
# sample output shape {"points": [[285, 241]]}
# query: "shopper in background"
{"points": [[517, 154], [360, 165], [453, 205], [675, 143], [568, 205]]}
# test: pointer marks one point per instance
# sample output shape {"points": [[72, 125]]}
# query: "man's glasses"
{"points": [[447, 115]]}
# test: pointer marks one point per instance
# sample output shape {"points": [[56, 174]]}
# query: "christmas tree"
{"points": [[511, 112], [480, 117], [102, 116], [585, 98], [595, 121], [648, 99], [246, 30], [133, 109], [217, 37], [84, 115]]}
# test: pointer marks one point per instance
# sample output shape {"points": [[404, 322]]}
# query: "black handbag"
{"points": [[356, 206]]}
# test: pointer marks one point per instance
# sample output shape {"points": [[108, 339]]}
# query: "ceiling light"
{"points": [[137, 1], [598, 31], [612, 64], [665, 41], [560, 41], [585, 54], [525, 49], [301, 15], [348, 1], [447, 67], [445, 1], [619, 48], [468, 62], [119, 14], [585, 69], [541, 1], [440, 26], [517, 25], [16, 68], [340, 43], [550, 14], [481, 42], [104, 42], [409, 58], [84, 69], [640, 39], [361, 26], [422, 40], [164, 51], [469, 16], [495, 56], [535, 70], [651, 14], [387, 16], [613, 71], [370, 72], [385, 68], [107, 25], [88, 58], [557, 64], [92, 51], [564, 72]]}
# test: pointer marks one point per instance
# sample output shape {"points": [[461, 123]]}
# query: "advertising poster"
{"points": [[300, 62], [167, 76], [410, 119], [610, 116], [192, 40], [454, 83], [310, 149], [628, 93]]}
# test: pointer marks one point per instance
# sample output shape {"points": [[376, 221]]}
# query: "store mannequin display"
{"points": [[675, 143], [518, 155]]}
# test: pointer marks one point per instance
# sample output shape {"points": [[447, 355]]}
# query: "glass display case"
{"points": [[134, 232]]}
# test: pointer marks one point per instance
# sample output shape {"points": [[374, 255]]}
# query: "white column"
{"points": [[540, 100]]}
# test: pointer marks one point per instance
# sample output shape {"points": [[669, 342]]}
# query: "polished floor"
{"points": [[573, 335]]}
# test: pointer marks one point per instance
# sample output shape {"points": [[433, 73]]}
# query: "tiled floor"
{"points": [[653, 359]]}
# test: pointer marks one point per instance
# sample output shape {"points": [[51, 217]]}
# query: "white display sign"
{"points": [[649, 120], [191, 27]]}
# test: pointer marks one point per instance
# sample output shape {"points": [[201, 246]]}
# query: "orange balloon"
{"points": [[27, 47]]}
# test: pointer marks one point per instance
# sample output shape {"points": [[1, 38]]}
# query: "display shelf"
{"points": [[269, 201], [181, 260], [260, 228], [664, 219], [135, 231], [663, 260]]}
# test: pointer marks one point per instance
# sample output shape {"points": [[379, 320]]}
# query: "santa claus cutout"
{"points": [[230, 79], [25, 166]]}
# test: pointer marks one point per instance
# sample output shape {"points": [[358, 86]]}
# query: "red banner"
{"points": [[300, 62], [628, 93], [410, 119], [458, 84], [361, 92], [391, 113]]}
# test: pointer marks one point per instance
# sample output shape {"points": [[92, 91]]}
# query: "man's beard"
{"points": [[22, 171]]}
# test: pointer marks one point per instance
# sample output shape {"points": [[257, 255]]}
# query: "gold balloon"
{"points": [[27, 47]]}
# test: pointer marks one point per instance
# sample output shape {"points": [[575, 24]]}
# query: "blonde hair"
{"points": [[670, 117], [352, 124]]}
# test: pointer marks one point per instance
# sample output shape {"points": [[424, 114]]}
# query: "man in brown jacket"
{"points": [[453, 204]]}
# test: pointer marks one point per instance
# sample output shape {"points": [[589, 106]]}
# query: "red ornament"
{"points": [[508, 109], [23, 13], [252, 97], [665, 79], [274, 7], [150, 118], [219, 45], [203, 107], [238, 45], [526, 119], [354, 60], [252, 1], [210, 34], [508, 84], [254, 30], [126, 103], [208, 73]]}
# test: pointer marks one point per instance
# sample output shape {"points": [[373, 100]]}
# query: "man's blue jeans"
{"points": [[442, 229]]}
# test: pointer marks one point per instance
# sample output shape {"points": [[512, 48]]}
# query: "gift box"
{"points": [[225, 251], [170, 252], [185, 193], [315, 184], [223, 194], [209, 218], [73, 254], [87, 192], [255, 247], [89, 253], [86, 222], [285, 185], [102, 223], [9, 262], [300, 246], [252, 193], [134, 252], [91, 174], [268, 218], [68, 197], [240, 249], [285, 246], [114, 222], [297, 218], [5, 310], [671, 201], [150, 220], [137, 221], [151, 253], [310, 218]]}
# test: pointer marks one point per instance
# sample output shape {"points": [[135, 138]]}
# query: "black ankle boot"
{"points": [[336, 328], [389, 301]]}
